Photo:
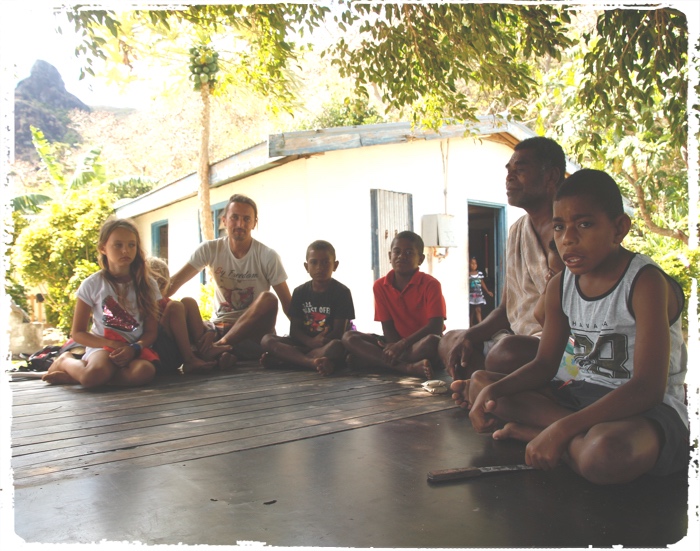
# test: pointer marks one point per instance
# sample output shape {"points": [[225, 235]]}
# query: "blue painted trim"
{"points": [[215, 211], [500, 233], [374, 206], [155, 236]]}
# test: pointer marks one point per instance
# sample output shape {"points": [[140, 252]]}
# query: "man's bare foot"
{"points": [[324, 366], [197, 365], [421, 369], [226, 360], [460, 393], [214, 351], [58, 377], [516, 431]]}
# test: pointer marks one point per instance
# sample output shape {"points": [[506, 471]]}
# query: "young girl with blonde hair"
{"points": [[122, 300]]}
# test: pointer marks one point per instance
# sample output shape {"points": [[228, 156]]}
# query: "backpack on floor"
{"points": [[42, 359]]}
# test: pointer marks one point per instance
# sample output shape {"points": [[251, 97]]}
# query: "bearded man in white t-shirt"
{"points": [[244, 270]]}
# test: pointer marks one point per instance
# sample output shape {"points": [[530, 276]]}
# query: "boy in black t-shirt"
{"points": [[320, 312]]}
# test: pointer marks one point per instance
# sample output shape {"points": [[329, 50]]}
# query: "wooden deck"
{"points": [[60, 433], [291, 458]]}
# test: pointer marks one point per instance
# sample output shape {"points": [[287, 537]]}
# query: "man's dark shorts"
{"points": [[245, 350], [675, 452]]}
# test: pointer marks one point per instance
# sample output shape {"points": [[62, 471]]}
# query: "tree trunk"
{"points": [[205, 218]]}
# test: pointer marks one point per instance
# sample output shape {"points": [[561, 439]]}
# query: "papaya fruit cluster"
{"points": [[204, 64]]}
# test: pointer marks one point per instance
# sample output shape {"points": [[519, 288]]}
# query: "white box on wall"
{"points": [[437, 230]]}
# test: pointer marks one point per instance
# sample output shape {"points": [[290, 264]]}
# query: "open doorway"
{"points": [[487, 243]]}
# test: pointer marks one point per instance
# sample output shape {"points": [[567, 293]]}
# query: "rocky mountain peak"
{"points": [[41, 100]]}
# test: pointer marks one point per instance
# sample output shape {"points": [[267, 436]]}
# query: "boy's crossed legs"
{"points": [[365, 351], [612, 452], [281, 350]]}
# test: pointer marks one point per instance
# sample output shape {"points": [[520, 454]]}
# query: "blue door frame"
{"points": [[499, 232]]}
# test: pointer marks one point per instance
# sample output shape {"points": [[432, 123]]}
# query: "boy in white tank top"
{"points": [[624, 413]]}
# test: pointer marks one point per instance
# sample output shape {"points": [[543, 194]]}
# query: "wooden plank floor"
{"points": [[289, 458], [64, 432]]}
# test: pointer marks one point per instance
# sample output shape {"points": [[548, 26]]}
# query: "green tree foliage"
{"points": [[28, 203], [645, 157], [54, 243], [259, 57], [435, 57], [350, 111], [435, 51], [617, 104], [615, 95], [441, 57], [130, 187], [636, 71], [676, 259], [13, 286], [57, 250], [258, 38]]}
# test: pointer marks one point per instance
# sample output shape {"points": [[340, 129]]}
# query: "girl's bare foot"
{"points": [[197, 365], [58, 377], [516, 431], [226, 360], [460, 393], [324, 365], [421, 369]]}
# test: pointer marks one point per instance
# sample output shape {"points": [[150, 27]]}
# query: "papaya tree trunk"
{"points": [[205, 217]]}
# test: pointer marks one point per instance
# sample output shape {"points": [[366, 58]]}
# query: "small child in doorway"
{"points": [[477, 288], [319, 313], [624, 414], [180, 329], [410, 306]]}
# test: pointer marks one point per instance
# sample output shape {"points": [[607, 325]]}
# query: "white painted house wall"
{"points": [[327, 196]]}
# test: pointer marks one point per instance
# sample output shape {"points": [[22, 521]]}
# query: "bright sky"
{"points": [[28, 33]]}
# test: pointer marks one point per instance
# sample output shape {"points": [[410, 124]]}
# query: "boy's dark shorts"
{"points": [[674, 454], [169, 353]]}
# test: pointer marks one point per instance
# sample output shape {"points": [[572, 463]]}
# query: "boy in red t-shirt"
{"points": [[410, 306]]}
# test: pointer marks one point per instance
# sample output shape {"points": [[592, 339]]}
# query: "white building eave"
{"points": [[289, 146], [241, 165]]}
